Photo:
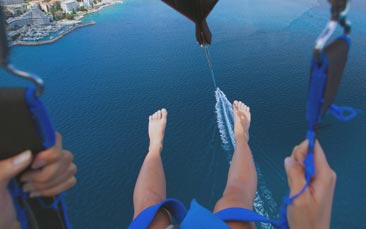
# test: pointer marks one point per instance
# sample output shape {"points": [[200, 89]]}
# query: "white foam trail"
{"points": [[225, 122]]}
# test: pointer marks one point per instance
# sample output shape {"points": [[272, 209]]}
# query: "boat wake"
{"points": [[225, 122]]}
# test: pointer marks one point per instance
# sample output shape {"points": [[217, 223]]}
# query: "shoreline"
{"points": [[45, 42], [77, 26]]}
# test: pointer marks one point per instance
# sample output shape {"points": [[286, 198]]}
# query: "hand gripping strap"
{"points": [[26, 125]]}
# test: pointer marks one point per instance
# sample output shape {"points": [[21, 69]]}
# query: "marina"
{"points": [[41, 34], [45, 36]]}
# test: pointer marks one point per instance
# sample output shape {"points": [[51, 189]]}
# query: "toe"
{"points": [[159, 114], [150, 117], [242, 106], [164, 113], [235, 104], [155, 115]]}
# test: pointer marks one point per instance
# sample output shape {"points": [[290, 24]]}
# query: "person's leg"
{"points": [[150, 188], [241, 183]]}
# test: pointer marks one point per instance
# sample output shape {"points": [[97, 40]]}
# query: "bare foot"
{"points": [[157, 123], [241, 121]]}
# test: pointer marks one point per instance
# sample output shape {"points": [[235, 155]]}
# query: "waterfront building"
{"points": [[11, 2], [34, 16], [33, 4], [69, 6], [47, 6], [88, 3], [16, 7]]}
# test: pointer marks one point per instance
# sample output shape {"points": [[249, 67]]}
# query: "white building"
{"points": [[34, 4], [69, 6], [88, 3], [45, 7], [16, 7], [11, 2], [33, 17]]}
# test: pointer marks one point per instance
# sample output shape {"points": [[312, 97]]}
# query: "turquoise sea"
{"points": [[103, 81]]}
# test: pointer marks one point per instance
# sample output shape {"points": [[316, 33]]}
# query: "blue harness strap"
{"points": [[47, 133], [315, 104], [19, 196], [40, 114], [199, 217], [343, 113], [244, 215], [144, 219], [315, 100]]}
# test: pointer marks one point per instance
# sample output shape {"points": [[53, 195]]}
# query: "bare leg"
{"points": [[242, 179], [150, 186]]}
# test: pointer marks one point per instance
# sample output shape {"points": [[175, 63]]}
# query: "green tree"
{"points": [[58, 6], [59, 15], [69, 16]]}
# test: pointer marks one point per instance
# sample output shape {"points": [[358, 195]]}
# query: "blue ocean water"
{"points": [[103, 81]]}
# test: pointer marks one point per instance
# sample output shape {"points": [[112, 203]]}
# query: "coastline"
{"points": [[75, 26], [44, 42], [102, 6]]}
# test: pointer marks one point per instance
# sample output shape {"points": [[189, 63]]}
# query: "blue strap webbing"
{"points": [[315, 102], [144, 219], [342, 113], [47, 131], [244, 215], [18, 194], [37, 108], [199, 217]]}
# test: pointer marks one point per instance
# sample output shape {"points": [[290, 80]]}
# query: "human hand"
{"points": [[52, 172], [313, 208], [9, 168]]}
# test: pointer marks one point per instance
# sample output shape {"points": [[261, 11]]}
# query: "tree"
{"points": [[59, 15], [58, 6], [69, 16], [83, 9]]}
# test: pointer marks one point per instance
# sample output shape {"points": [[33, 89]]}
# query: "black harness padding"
{"points": [[44, 218], [336, 53], [18, 130]]}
